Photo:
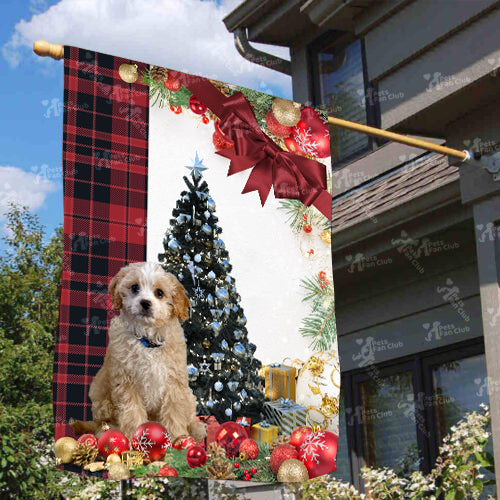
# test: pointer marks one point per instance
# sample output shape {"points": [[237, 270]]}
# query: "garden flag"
{"points": [[196, 328]]}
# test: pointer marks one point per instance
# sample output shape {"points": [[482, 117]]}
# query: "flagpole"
{"points": [[45, 49]]}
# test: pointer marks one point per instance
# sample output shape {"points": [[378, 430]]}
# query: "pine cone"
{"points": [[158, 74], [278, 441], [220, 469], [222, 87], [84, 455], [215, 452]]}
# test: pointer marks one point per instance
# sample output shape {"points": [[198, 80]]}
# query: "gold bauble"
{"points": [[113, 459], [118, 470], [64, 449], [326, 237], [128, 72], [315, 365], [292, 471], [329, 406], [286, 112]]}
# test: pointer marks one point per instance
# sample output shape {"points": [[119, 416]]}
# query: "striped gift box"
{"points": [[286, 414]]}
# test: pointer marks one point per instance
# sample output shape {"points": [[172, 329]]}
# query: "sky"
{"points": [[186, 35]]}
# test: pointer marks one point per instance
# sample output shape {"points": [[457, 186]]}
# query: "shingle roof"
{"points": [[403, 184]]}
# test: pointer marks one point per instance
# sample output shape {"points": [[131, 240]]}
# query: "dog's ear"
{"points": [[181, 302], [113, 284]]}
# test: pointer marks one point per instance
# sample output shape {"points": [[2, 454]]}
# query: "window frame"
{"points": [[420, 364], [338, 39]]}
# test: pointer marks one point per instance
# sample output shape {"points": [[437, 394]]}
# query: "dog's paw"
{"points": [[198, 430]]}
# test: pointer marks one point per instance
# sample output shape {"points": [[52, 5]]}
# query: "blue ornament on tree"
{"points": [[197, 258], [218, 386], [174, 245], [228, 412], [206, 229], [211, 275]]}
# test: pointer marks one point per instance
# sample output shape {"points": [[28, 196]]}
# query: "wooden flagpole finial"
{"points": [[43, 48]]}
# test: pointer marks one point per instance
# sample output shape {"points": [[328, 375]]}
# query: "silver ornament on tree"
{"points": [[197, 258], [239, 349], [211, 275], [238, 334], [206, 229], [233, 385], [217, 357], [228, 412], [211, 204], [224, 345], [216, 326], [218, 386], [222, 294], [192, 373]]}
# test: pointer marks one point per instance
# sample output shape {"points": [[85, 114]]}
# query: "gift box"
{"points": [[212, 428], [286, 414], [246, 423], [264, 432], [280, 381]]}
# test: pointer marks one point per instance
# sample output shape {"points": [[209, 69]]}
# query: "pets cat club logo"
{"points": [[369, 348], [450, 293], [360, 262], [486, 386], [437, 330], [415, 248]]}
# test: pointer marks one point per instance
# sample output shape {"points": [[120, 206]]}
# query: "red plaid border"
{"points": [[105, 162]]}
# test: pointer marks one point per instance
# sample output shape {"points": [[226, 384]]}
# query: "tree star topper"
{"points": [[197, 167]]}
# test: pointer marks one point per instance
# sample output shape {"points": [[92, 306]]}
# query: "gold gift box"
{"points": [[280, 381], [264, 434]]}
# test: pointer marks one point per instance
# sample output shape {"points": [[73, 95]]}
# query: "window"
{"points": [[397, 413], [339, 85]]}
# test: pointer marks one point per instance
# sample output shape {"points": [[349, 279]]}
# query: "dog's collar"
{"points": [[145, 342]]}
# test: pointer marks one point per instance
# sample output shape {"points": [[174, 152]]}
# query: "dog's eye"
{"points": [[135, 288], [159, 293]]}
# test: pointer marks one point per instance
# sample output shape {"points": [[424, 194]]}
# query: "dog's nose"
{"points": [[146, 304]]}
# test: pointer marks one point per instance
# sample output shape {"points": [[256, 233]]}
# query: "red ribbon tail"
{"points": [[261, 180], [323, 203]]}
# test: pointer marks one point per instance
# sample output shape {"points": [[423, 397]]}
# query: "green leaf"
{"points": [[450, 494]]}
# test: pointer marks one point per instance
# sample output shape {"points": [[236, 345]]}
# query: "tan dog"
{"points": [[144, 376]]}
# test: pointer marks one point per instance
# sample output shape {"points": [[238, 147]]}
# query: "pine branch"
{"points": [[320, 327], [161, 96], [295, 210]]}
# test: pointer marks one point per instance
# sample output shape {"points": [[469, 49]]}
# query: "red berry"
{"points": [[253, 471], [246, 478], [205, 119], [322, 285], [176, 109], [307, 228], [304, 217], [327, 282], [237, 465], [245, 472], [322, 275]]}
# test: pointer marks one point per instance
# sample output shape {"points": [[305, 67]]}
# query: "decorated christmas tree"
{"points": [[222, 369]]}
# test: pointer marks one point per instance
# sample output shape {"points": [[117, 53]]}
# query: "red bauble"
{"points": [[319, 453], [230, 436], [171, 83], [292, 146], [275, 126], [311, 134], [250, 447], [112, 441], [298, 435], [205, 119], [220, 140], [152, 439], [168, 471], [196, 106], [281, 453], [184, 442], [88, 440], [196, 456]]}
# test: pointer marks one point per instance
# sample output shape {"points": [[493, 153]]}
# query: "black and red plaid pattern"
{"points": [[105, 165]]}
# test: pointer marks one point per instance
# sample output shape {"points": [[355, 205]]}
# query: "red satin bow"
{"points": [[291, 176]]}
